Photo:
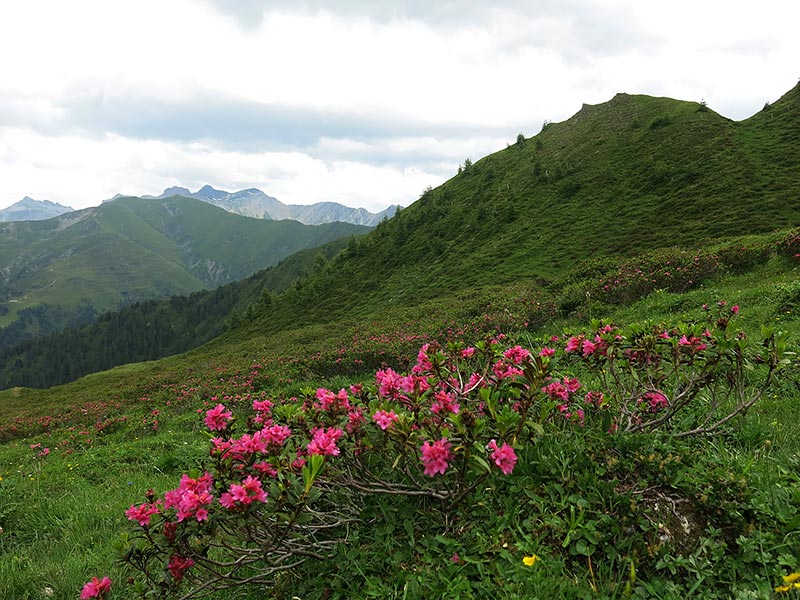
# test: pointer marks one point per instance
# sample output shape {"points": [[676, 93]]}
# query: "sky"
{"points": [[365, 103]]}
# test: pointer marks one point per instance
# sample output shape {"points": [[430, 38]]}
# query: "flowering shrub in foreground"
{"points": [[285, 488]]}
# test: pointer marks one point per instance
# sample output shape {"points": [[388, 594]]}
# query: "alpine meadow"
{"points": [[569, 371]]}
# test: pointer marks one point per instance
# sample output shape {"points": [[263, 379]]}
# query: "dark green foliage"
{"points": [[147, 330]]}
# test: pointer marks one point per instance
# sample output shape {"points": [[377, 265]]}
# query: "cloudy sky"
{"points": [[363, 102]]}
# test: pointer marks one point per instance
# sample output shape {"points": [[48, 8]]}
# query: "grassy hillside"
{"points": [[616, 179], [134, 249]]}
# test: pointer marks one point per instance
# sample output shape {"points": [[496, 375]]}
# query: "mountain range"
{"points": [[105, 257], [29, 209], [254, 203]]}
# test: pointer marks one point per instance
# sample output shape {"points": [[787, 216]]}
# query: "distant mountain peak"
{"points": [[252, 202], [175, 191], [29, 209]]}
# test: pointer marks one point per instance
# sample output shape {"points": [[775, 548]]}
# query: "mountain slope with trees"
{"points": [[132, 249]]}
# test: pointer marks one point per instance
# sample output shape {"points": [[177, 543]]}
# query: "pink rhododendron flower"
{"points": [[142, 513], [572, 385], [695, 344], [355, 419], [96, 588], [275, 434], [574, 343], [424, 364], [412, 384], [388, 382], [595, 398], [436, 456], [468, 352], [324, 441], [178, 565], [444, 402], [328, 401], [546, 352], [588, 348], [517, 354], [191, 497], [384, 419], [217, 418], [242, 495], [504, 456], [504, 370], [556, 391], [265, 468], [656, 401], [476, 380], [262, 406], [735, 309]]}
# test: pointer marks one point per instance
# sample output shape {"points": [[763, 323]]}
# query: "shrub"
{"points": [[286, 482]]}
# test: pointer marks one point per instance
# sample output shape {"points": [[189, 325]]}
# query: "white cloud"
{"points": [[105, 96], [90, 170]]}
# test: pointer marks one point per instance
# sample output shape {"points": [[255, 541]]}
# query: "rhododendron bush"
{"points": [[283, 483]]}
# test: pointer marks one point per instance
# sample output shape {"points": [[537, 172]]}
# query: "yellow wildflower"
{"points": [[529, 561], [791, 578]]}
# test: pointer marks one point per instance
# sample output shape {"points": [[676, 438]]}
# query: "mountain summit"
{"points": [[29, 209], [252, 202]]}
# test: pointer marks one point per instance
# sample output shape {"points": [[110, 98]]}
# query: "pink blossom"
{"points": [[546, 352], [556, 391], [436, 456], [324, 441], [217, 418], [413, 384], [595, 398], [588, 348], [191, 497], [142, 513], [265, 468], [96, 588], [517, 354], [475, 381], [275, 434], [504, 456], [444, 402], [178, 565], [503, 370], [262, 406], [384, 419], [242, 495], [424, 364], [572, 385], [328, 401], [574, 343], [735, 309], [468, 352], [355, 418], [388, 382], [656, 401]]}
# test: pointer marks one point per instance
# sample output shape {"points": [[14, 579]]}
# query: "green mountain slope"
{"points": [[134, 249], [633, 174]]}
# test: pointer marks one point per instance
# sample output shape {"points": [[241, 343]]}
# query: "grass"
{"points": [[50, 539]]}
